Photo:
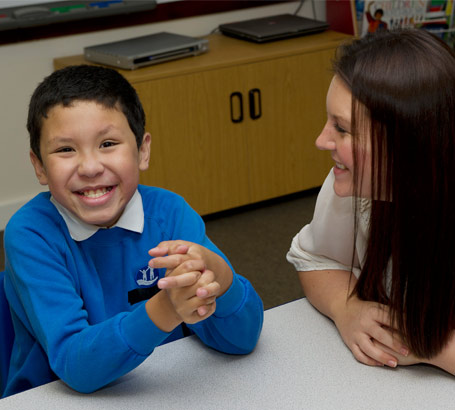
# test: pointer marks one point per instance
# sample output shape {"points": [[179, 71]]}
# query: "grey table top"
{"points": [[300, 362]]}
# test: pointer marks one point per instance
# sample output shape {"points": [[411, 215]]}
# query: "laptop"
{"points": [[272, 28], [146, 50]]}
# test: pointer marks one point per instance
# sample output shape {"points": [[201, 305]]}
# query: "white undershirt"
{"points": [[131, 219]]}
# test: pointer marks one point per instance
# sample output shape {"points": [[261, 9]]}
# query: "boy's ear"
{"points": [[39, 168], [144, 152]]}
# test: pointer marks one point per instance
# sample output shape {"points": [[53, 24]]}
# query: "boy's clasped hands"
{"points": [[190, 282]]}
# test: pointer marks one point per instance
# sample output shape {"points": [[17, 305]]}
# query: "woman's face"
{"points": [[336, 137]]}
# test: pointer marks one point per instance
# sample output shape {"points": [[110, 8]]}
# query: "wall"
{"points": [[24, 65]]}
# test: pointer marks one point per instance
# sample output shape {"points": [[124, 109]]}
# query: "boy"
{"points": [[87, 304]]}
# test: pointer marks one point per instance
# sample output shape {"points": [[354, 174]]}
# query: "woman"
{"points": [[377, 257]]}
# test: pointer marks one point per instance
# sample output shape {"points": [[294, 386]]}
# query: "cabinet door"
{"points": [[282, 156], [197, 151]]}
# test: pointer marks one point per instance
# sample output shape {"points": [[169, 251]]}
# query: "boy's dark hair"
{"points": [[102, 85]]}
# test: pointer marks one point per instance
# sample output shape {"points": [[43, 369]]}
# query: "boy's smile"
{"points": [[90, 160]]}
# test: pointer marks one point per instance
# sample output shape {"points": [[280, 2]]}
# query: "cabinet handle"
{"points": [[254, 96], [237, 96]]}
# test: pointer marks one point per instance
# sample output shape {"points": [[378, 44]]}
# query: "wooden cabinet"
{"points": [[208, 147]]}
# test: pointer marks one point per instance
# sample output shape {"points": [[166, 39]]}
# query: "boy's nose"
{"points": [[90, 166]]}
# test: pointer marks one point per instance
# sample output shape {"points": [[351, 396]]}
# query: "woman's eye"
{"points": [[339, 129]]}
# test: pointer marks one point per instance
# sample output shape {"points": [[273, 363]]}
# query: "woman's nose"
{"points": [[325, 140]]}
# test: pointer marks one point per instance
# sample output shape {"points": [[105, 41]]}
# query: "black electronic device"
{"points": [[272, 28]]}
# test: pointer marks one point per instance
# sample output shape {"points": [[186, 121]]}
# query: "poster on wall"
{"points": [[434, 15]]}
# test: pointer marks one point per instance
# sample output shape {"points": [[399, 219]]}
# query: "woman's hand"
{"points": [[364, 328], [407, 360]]}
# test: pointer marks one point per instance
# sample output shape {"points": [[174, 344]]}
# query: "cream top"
{"points": [[327, 242]]}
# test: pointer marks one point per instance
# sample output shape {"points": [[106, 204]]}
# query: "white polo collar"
{"points": [[132, 219]]}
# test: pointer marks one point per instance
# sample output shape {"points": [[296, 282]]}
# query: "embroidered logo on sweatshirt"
{"points": [[147, 277]]}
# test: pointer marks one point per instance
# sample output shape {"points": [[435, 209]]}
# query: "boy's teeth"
{"points": [[95, 193]]}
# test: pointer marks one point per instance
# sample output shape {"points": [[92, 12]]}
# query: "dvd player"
{"points": [[146, 50]]}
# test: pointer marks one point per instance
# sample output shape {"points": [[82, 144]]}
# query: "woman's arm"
{"points": [[360, 323], [327, 290]]}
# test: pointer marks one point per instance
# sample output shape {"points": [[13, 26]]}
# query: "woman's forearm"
{"points": [[327, 290]]}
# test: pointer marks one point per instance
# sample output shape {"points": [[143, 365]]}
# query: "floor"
{"points": [[256, 241]]}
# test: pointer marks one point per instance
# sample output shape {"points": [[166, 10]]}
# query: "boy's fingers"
{"points": [[202, 310], [181, 248], [176, 247], [187, 266], [178, 281], [168, 262], [207, 277], [169, 247], [158, 251], [206, 310], [207, 291]]}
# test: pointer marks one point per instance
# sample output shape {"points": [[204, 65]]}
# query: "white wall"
{"points": [[24, 65]]}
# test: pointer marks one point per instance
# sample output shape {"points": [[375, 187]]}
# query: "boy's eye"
{"points": [[107, 144], [64, 149]]}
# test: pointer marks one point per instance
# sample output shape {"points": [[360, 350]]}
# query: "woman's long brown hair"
{"points": [[404, 81]]}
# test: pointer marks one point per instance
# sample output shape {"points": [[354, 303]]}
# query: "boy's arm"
{"points": [[235, 325], [237, 322], [87, 351], [368, 12]]}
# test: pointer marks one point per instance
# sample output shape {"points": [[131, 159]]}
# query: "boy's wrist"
{"points": [[224, 278], [223, 274], [162, 313]]}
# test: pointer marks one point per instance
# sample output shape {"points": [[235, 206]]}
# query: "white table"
{"points": [[300, 362]]}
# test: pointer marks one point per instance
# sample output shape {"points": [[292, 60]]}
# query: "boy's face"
{"points": [[90, 160]]}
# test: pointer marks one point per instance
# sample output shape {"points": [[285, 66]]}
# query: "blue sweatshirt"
{"points": [[69, 299]]}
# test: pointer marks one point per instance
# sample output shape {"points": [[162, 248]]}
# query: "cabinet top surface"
{"points": [[223, 52]]}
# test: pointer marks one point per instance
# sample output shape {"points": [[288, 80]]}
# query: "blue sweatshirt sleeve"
{"points": [[237, 322], [54, 328]]}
